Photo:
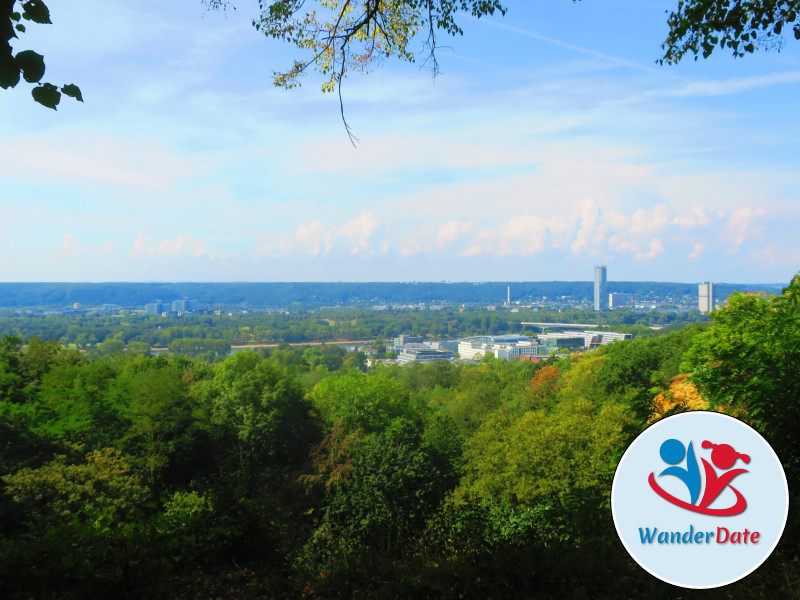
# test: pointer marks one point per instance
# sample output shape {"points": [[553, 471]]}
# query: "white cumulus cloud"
{"points": [[696, 218], [590, 229], [451, 231], [70, 247], [184, 245], [656, 248], [741, 225], [354, 236], [280, 249]]}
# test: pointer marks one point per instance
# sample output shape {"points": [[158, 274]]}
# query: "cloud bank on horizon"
{"points": [[550, 142]]}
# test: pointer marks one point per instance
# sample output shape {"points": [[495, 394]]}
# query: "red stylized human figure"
{"points": [[724, 457]]}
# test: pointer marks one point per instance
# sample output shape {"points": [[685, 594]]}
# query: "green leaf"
{"points": [[20, 27], [73, 91], [47, 95], [15, 16], [37, 11], [9, 74], [31, 64]]}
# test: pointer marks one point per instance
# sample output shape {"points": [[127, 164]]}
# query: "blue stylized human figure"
{"points": [[672, 452]]}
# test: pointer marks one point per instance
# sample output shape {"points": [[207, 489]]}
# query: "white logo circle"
{"points": [[699, 500]]}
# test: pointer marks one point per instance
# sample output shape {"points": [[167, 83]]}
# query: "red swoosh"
{"points": [[737, 508]]}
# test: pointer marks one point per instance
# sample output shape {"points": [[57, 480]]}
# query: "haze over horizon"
{"points": [[389, 281], [550, 142]]}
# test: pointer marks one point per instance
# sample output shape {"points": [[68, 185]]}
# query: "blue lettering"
{"points": [[691, 536], [687, 537], [647, 537]]}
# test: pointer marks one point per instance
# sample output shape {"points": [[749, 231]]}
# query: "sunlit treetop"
{"points": [[350, 35]]}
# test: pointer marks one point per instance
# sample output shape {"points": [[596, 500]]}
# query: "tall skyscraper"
{"points": [[705, 297], [600, 288]]}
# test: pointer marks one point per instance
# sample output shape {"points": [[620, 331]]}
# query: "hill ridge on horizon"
{"points": [[280, 294]]}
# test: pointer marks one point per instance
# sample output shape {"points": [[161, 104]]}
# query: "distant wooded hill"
{"points": [[280, 294]]}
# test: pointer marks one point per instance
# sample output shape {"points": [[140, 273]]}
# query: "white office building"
{"points": [[584, 339], [423, 355], [705, 300], [616, 300], [507, 347]]}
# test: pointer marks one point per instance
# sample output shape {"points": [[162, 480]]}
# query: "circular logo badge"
{"points": [[699, 499]]}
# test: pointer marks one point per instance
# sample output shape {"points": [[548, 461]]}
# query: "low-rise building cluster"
{"points": [[174, 308], [507, 347]]}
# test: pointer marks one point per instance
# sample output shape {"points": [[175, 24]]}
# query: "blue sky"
{"points": [[550, 142]]}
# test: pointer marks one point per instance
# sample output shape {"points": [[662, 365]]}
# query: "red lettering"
{"points": [[720, 540], [736, 537]]}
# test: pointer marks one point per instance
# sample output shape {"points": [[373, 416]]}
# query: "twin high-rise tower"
{"points": [[705, 292], [600, 288]]}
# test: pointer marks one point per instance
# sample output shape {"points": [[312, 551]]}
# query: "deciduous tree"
{"points": [[699, 27]]}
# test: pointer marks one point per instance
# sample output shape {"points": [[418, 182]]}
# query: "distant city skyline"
{"points": [[551, 142], [191, 297]]}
